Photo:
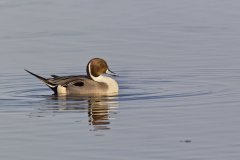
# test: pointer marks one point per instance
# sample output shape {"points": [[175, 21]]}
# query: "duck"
{"points": [[96, 82]]}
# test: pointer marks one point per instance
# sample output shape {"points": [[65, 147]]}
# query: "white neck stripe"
{"points": [[93, 77]]}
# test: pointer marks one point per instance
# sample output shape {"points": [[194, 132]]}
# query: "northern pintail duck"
{"points": [[94, 83]]}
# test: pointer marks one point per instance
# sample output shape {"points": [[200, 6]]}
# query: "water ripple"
{"points": [[132, 87]]}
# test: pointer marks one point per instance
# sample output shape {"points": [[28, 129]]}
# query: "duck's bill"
{"points": [[109, 72]]}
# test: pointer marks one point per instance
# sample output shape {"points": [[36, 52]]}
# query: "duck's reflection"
{"points": [[101, 110]]}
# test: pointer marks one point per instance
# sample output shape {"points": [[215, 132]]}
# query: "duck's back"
{"points": [[85, 86], [78, 85]]}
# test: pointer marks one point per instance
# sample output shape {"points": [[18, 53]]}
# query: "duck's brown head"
{"points": [[97, 67]]}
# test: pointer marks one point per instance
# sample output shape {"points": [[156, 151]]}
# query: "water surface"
{"points": [[179, 70]]}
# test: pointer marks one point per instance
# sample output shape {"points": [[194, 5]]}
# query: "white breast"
{"points": [[111, 83]]}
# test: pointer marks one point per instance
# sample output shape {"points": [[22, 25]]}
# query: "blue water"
{"points": [[179, 67]]}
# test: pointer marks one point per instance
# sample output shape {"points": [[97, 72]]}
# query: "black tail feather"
{"points": [[49, 84]]}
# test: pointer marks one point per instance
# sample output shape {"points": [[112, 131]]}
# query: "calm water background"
{"points": [[179, 67]]}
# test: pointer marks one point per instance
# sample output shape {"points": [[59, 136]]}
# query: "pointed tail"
{"points": [[46, 81]]}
